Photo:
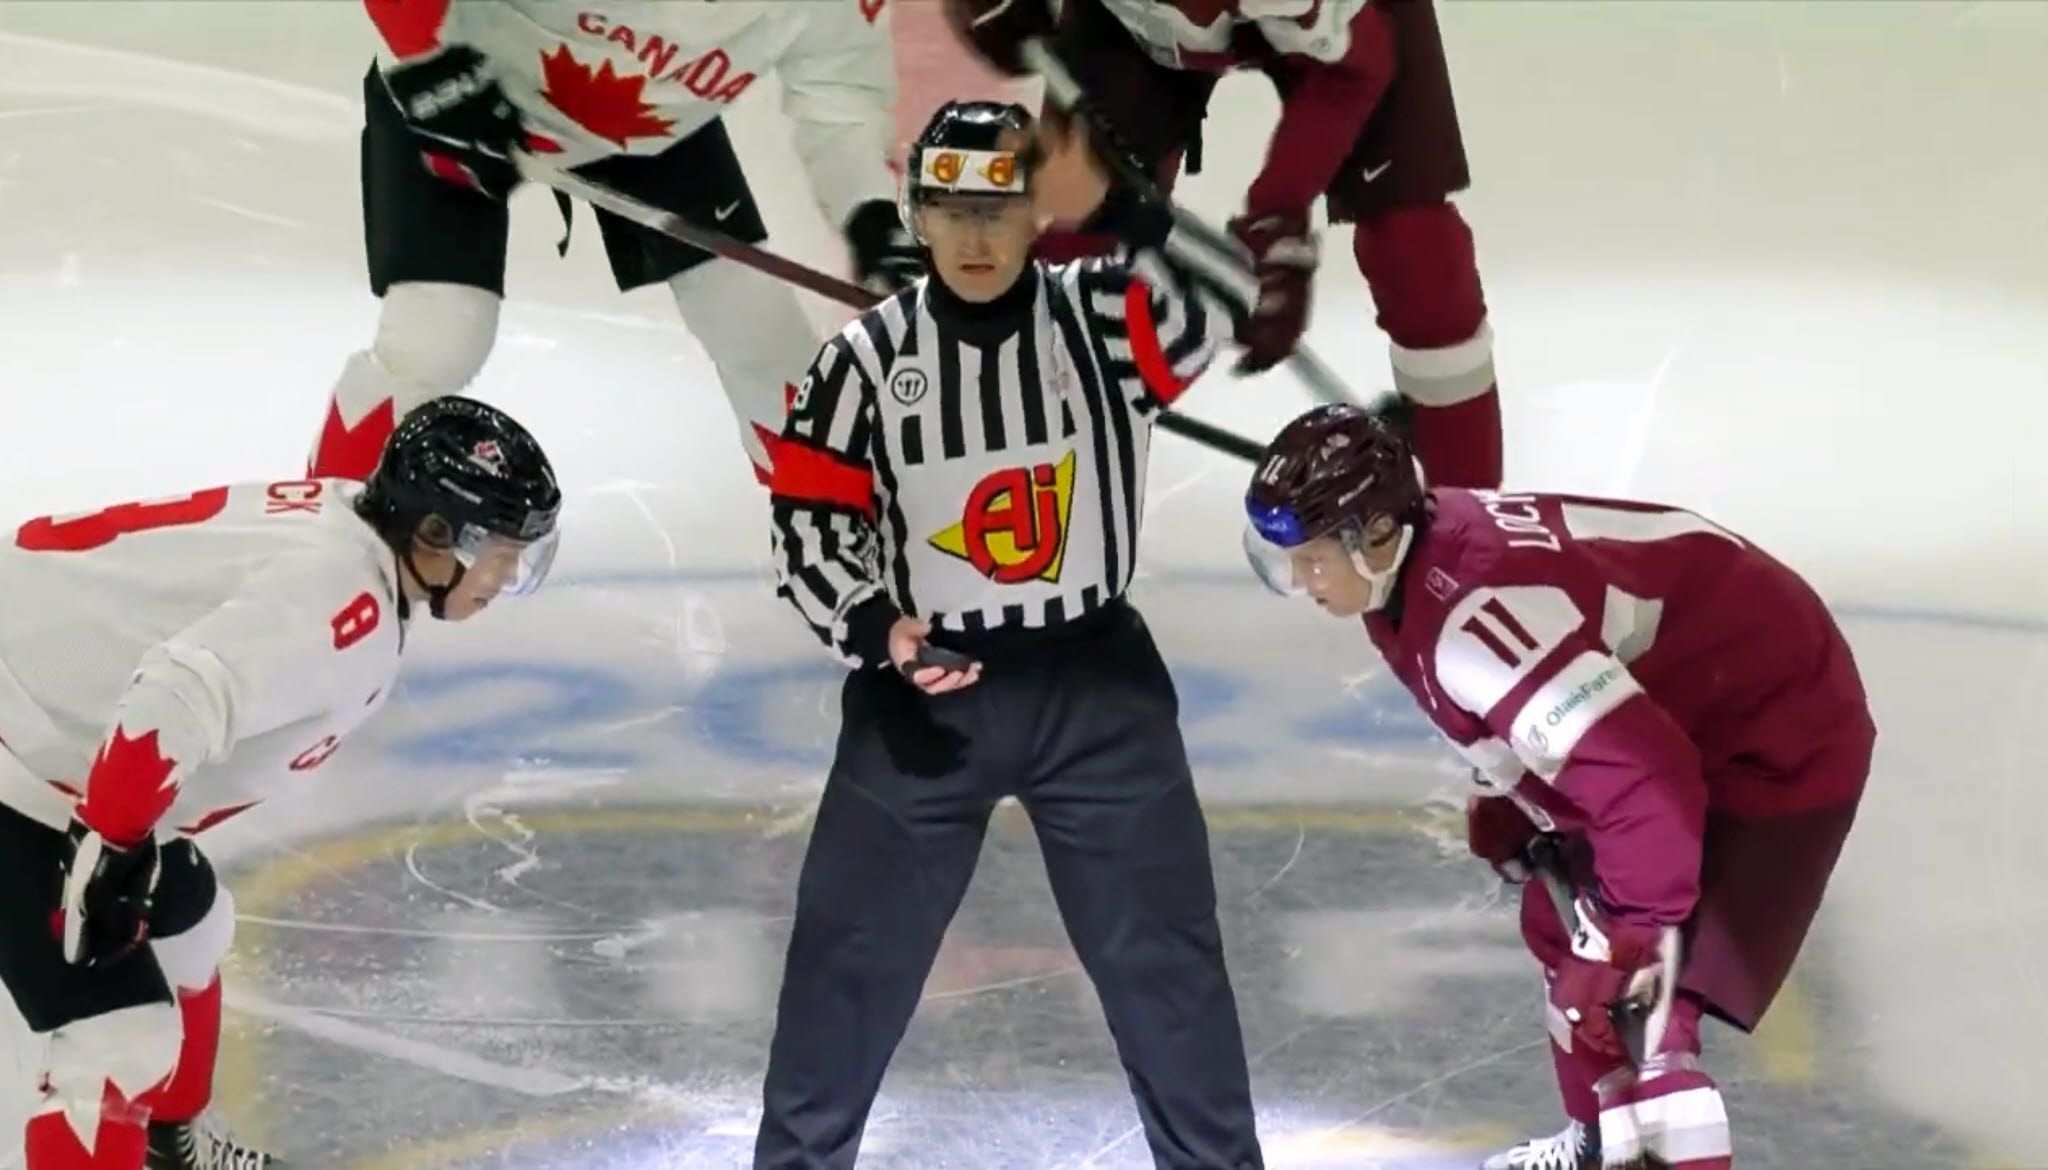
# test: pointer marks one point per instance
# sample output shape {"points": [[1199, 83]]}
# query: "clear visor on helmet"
{"points": [[1273, 564], [1270, 540], [1293, 571], [500, 564]]}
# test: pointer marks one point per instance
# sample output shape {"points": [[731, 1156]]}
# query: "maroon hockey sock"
{"points": [[190, 1089], [1460, 445], [1424, 276], [1575, 1087], [119, 1143]]}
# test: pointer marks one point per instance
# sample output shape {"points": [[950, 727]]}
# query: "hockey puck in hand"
{"points": [[939, 656]]}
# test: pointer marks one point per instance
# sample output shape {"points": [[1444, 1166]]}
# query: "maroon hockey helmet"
{"points": [[1330, 472]]}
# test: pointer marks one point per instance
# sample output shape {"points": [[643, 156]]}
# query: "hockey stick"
{"points": [[832, 288], [1228, 258], [1630, 1017], [1547, 863]]}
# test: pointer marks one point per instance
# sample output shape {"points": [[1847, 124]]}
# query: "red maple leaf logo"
{"points": [[129, 788], [604, 103]]}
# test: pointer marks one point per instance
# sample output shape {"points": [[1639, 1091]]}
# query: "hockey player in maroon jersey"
{"points": [[1367, 123], [1676, 706], [163, 666]]}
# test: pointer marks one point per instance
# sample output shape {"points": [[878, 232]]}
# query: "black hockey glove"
{"points": [[885, 258], [466, 126], [106, 896]]}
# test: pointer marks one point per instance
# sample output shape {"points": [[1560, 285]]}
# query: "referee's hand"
{"points": [[907, 646]]}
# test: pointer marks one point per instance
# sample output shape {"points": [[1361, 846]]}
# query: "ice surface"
{"points": [[1780, 262]]}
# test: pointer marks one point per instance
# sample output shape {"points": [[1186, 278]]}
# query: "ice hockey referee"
{"points": [[956, 500]]}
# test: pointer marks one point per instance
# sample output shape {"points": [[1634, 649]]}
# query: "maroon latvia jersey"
{"points": [[1622, 670], [1334, 57]]}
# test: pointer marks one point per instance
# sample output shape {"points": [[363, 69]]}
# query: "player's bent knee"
{"points": [[1421, 267], [133, 1049], [191, 958], [436, 336]]}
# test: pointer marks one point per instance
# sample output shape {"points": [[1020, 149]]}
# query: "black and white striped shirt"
{"points": [[982, 478]]}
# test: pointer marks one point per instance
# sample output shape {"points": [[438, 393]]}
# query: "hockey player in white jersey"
{"points": [[630, 94], [165, 664]]}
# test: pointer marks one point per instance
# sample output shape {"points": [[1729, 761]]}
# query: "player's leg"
{"points": [[1424, 278], [895, 841], [437, 261], [109, 1034], [1416, 253], [1127, 851], [748, 322], [192, 926], [1577, 1146]]}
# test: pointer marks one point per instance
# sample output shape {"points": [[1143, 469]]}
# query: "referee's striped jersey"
{"points": [[987, 473]]}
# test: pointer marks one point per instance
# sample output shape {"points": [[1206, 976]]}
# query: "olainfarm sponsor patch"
{"points": [[1567, 705]]}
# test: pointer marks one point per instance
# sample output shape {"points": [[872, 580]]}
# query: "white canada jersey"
{"points": [[606, 77], [246, 628]]}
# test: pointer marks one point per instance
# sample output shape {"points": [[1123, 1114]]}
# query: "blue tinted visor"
{"points": [[1277, 524], [1271, 532]]}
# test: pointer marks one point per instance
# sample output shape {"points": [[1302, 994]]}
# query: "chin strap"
{"points": [[1383, 583], [437, 595]]}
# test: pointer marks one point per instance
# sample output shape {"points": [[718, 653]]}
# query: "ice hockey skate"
{"points": [[201, 1144], [1575, 1147]]}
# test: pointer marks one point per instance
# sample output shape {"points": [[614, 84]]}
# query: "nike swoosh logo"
{"points": [[1371, 173], [724, 213]]}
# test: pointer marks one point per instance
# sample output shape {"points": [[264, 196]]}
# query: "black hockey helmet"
{"points": [[961, 152], [462, 476]]}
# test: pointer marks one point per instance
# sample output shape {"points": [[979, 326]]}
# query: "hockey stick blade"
{"points": [[1064, 90], [832, 288]]}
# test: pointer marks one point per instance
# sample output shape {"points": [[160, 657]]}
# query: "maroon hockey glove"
{"points": [[465, 125], [1612, 966], [1284, 256], [998, 29], [1497, 831], [885, 259], [105, 897]]}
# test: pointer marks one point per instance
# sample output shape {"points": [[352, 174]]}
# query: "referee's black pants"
{"points": [[1081, 725]]}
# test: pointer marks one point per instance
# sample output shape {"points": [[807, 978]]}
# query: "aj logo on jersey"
{"points": [[1013, 528]]}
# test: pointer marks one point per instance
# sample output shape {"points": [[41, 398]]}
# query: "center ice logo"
{"points": [[1013, 528]]}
